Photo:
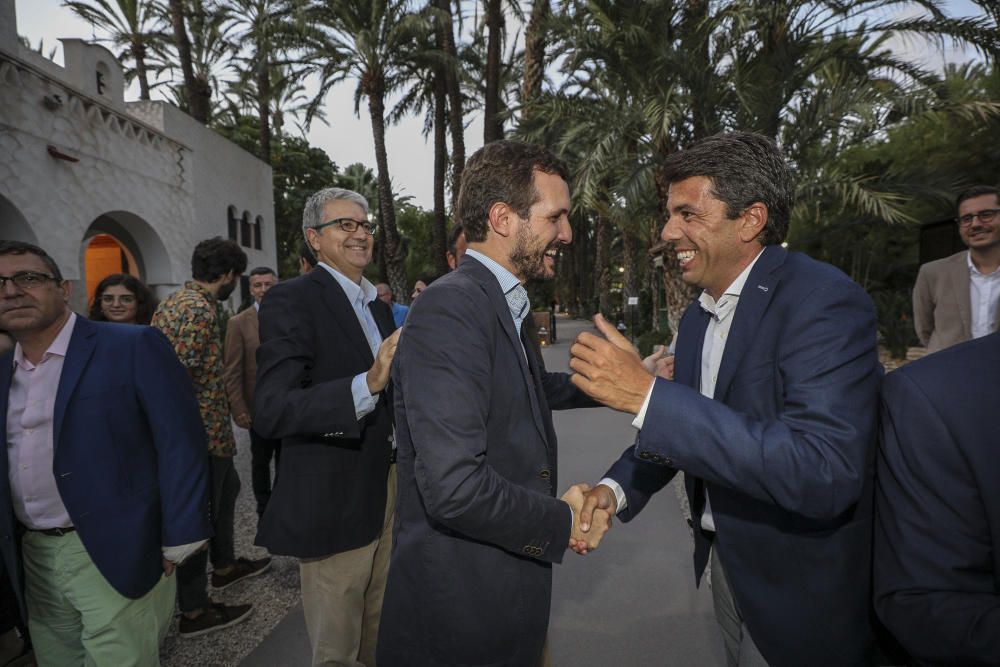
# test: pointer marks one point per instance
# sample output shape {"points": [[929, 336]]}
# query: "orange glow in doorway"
{"points": [[104, 256]]}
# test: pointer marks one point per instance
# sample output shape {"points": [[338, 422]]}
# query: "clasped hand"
{"points": [[590, 522]]}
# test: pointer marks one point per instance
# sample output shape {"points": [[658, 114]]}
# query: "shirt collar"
{"points": [[976, 272], [256, 305], [729, 298], [58, 347], [366, 291], [507, 280], [192, 285]]}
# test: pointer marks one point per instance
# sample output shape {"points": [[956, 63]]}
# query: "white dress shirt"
{"points": [[984, 297], [714, 345]]}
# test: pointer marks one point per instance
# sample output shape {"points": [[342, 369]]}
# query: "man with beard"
{"points": [[957, 298], [190, 319], [477, 524]]}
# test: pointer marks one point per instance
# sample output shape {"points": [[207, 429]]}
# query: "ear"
{"points": [[312, 238], [753, 222], [501, 219], [66, 288]]}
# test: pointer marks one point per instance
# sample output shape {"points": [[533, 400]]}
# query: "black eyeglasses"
{"points": [[26, 280], [986, 215], [350, 225]]}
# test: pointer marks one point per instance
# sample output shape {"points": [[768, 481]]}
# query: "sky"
{"points": [[347, 137]]}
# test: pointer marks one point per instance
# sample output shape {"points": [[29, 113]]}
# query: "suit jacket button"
{"points": [[526, 550], [668, 461], [545, 473], [644, 455]]}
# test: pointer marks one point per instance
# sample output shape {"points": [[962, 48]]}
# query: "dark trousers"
{"points": [[192, 579], [262, 450]]}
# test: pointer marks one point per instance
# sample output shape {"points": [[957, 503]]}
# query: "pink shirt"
{"points": [[30, 445]]}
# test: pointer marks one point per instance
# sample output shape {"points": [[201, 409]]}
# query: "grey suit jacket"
{"points": [[942, 313]]}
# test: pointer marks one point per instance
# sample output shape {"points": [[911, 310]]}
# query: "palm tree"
{"points": [[203, 56], [534, 52], [130, 25], [372, 42], [445, 40]]}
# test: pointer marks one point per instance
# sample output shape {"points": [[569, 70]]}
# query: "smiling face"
{"points": [[712, 248], [540, 237], [26, 312], [980, 235], [119, 304], [348, 253]]}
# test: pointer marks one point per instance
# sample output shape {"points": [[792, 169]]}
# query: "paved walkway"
{"points": [[631, 603]]}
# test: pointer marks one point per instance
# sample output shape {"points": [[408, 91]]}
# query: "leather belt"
{"points": [[54, 532]]}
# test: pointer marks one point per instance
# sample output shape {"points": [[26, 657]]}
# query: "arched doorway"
{"points": [[122, 242], [103, 256], [13, 225]]}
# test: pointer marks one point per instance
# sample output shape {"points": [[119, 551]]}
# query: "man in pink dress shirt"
{"points": [[104, 480]]}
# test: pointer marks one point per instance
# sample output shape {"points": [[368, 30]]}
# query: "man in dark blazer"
{"points": [[478, 523], [937, 520], [103, 481], [326, 343], [772, 415]]}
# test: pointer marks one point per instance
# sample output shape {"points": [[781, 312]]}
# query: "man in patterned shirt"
{"points": [[190, 318]]}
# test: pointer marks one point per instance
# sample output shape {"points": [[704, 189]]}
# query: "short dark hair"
{"points": [[306, 253], [22, 248], [145, 301], [976, 191], [744, 168], [502, 171], [456, 231], [262, 271], [215, 257]]}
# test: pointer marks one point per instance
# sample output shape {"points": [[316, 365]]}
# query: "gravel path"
{"points": [[272, 593]]}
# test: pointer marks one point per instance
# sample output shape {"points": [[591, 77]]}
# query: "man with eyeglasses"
{"points": [[326, 345], [92, 523], [958, 298]]}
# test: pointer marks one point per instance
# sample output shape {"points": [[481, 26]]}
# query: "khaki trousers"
{"points": [[76, 617], [740, 648], [342, 596]]}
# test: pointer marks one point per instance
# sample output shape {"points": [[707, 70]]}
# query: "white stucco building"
{"points": [[104, 185]]}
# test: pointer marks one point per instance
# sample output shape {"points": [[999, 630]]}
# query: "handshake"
{"points": [[592, 508]]}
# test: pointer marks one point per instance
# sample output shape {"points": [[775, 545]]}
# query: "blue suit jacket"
{"points": [[937, 528], [130, 457], [785, 452]]}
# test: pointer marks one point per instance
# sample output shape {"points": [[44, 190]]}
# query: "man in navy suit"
{"points": [[772, 414], [103, 482], [937, 520]]}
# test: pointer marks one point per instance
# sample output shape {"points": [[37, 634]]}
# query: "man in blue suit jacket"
{"points": [[103, 481], [937, 525], [772, 414]]}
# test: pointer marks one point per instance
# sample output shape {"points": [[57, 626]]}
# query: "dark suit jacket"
{"points": [[130, 453], [785, 451], [330, 495], [477, 526], [937, 527]]}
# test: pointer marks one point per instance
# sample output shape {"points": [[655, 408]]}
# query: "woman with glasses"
{"points": [[122, 298]]}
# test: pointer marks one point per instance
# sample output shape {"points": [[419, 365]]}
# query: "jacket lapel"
{"points": [[754, 299], [491, 286], [81, 347], [383, 318], [958, 279], [6, 374], [687, 351], [343, 312]]}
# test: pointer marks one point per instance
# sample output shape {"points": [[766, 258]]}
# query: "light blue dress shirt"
{"points": [[510, 285], [360, 297]]}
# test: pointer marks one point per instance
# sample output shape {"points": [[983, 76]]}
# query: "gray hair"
{"points": [[312, 213]]}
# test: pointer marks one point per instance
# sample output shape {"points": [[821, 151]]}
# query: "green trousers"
{"points": [[75, 617]]}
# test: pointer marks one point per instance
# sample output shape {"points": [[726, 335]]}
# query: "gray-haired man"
{"points": [[326, 344]]}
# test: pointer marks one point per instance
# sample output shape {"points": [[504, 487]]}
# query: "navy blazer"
{"points": [[478, 525], [131, 455], [785, 450], [937, 527], [331, 493]]}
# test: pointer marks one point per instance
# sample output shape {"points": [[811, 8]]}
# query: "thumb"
{"points": [[611, 334], [587, 513]]}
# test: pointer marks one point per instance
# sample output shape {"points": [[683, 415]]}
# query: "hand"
{"points": [[168, 567], [609, 370], [242, 420], [378, 374], [599, 521], [597, 500], [660, 363]]}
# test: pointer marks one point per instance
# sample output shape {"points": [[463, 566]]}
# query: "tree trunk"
{"points": [[440, 232], [492, 123], [630, 257], [395, 267], [197, 91], [677, 293], [264, 102], [456, 119], [534, 55], [602, 269], [139, 53]]}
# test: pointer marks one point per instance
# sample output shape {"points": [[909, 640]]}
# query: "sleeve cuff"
{"points": [[641, 417], [181, 553], [364, 402], [622, 503]]}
